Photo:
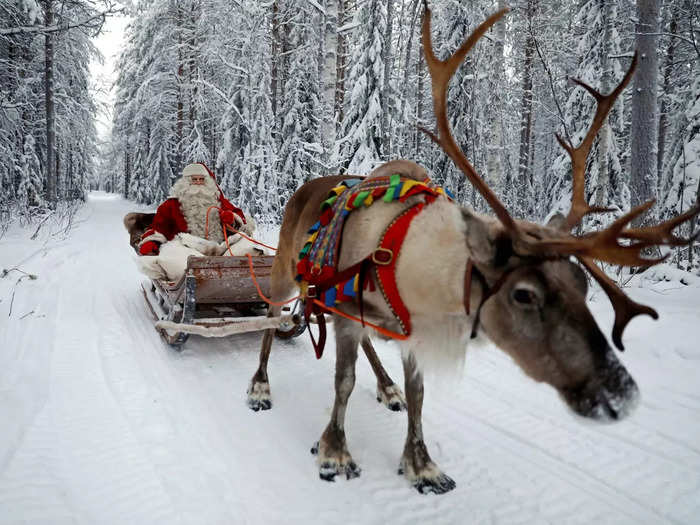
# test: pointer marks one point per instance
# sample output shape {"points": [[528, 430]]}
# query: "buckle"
{"points": [[311, 291], [382, 256]]}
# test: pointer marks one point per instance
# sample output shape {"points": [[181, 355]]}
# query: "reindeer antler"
{"points": [[652, 235], [441, 72], [579, 155], [602, 245], [625, 308]]}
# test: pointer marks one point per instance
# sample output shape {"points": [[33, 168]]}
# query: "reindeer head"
{"points": [[534, 301]]}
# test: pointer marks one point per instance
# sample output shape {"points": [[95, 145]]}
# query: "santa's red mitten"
{"points": [[227, 217], [149, 248]]}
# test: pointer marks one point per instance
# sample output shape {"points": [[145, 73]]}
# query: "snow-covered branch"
{"points": [[93, 22]]}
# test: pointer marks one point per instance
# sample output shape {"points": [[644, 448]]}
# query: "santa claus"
{"points": [[191, 222]]}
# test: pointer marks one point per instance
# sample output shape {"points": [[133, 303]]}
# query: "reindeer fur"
{"points": [[552, 336]]}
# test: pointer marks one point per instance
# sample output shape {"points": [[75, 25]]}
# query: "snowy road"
{"points": [[102, 423]]}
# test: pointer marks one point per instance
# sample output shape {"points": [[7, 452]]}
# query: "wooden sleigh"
{"points": [[216, 297]]}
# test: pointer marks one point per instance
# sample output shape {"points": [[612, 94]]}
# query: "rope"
{"points": [[383, 331], [234, 230], [257, 286]]}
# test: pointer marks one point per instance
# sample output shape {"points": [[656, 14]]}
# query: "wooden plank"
{"points": [[224, 280], [224, 261]]}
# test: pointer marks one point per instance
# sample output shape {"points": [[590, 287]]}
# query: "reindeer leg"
{"points": [[388, 392], [259, 389], [416, 464], [333, 455]]}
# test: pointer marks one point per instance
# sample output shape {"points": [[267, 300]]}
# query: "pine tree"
{"points": [[301, 151], [359, 146]]}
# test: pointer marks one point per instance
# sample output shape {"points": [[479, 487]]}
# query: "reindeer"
{"points": [[521, 283]]}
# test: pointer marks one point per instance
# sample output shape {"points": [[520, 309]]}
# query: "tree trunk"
{"points": [[603, 182], [127, 173], [275, 56], [693, 223], [388, 62], [667, 90], [495, 150], [192, 63], [644, 143], [341, 62], [330, 72], [406, 142], [180, 95], [526, 112], [419, 103], [51, 183]]}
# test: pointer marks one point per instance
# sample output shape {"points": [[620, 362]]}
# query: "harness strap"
{"points": [[489, 291], [315, 291], [391, 243], [310, 307], [383, 260]]}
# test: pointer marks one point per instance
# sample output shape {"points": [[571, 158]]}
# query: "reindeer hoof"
{"points": [[439, 485], [259, 397], [391, 397], [328, 470], [428, 480], [352, 470], [334, 463], [256, 406]]}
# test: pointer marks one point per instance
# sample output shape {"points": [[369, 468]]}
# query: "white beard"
{"points": [[194, 202]]}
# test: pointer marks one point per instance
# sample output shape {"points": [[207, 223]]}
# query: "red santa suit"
{"points": [[187, 209]]}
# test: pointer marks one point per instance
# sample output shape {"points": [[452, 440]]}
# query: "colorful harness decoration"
{"points": [[317, 269]]}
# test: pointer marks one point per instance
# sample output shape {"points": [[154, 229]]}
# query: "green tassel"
{"points": [[394, 181], [329, 202], [360, 199]]}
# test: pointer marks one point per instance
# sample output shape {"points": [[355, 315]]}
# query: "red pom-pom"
{"points": [[227, 217]]}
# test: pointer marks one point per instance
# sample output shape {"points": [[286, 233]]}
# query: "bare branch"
{"points": [[551, 85]]}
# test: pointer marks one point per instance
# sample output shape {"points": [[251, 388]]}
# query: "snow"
{"points": [[102, 423]]}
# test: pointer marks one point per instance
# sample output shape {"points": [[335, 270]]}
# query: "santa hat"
{"points": [[197, 168]]}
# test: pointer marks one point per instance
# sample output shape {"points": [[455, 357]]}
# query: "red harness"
{"points": [[383, 259]]}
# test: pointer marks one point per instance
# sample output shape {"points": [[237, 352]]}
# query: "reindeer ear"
{"points": [[486, 242]]}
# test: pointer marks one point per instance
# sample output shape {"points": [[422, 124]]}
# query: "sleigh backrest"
{"points": [[136, 223]]}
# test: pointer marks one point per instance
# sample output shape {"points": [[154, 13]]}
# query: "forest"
{"points": [[273, 93]]}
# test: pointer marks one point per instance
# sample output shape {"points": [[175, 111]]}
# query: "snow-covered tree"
{"points": [[597, 28], [301, 151], [359, 145]]}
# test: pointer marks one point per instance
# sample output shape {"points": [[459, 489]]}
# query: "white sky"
{"points": [[110, 44]]}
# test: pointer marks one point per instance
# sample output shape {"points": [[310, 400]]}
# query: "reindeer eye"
{"points": [[524, 297]]}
